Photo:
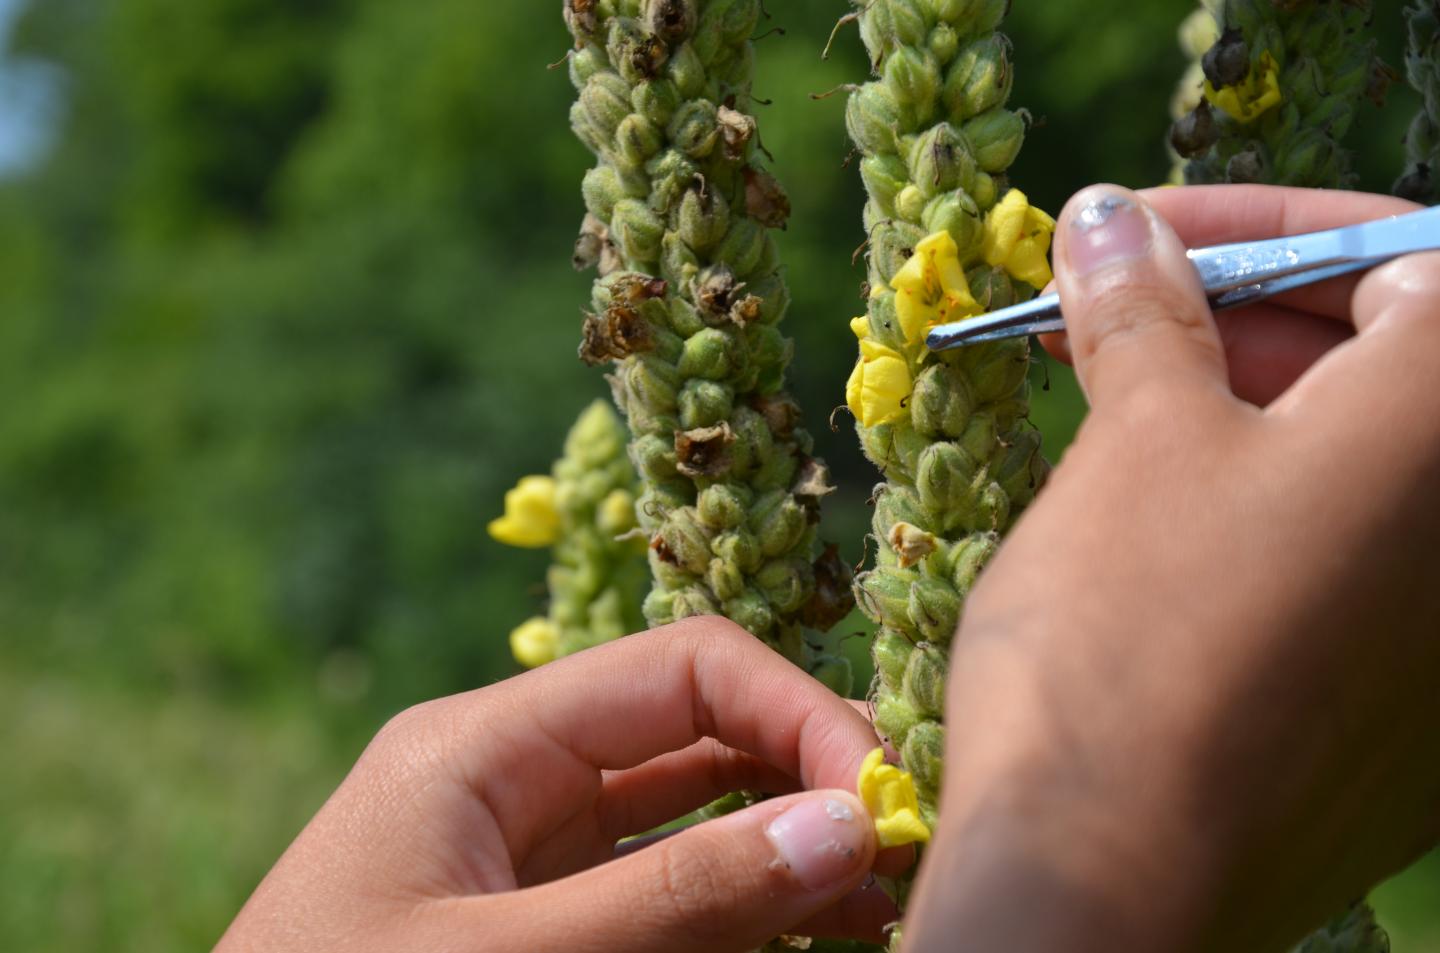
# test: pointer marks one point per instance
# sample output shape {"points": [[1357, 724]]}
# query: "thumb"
{"points": [[724, 886], [1134, 306]]}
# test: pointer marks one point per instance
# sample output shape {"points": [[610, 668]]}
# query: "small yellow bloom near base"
{"points": [[1254, 95], [532, 519], [535, 642], [1017, 238], [889, 796]]}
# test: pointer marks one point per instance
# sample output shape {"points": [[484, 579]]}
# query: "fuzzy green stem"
{"points": [[1421, 179], [687, 309], [1282, 86]]}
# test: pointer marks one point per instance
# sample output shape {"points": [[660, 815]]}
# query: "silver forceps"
{"points": [[1234, 275]]}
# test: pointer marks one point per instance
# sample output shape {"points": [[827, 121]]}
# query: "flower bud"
{"points": [[616, 513], [658, 501], [894, 719], [671, 175], [969, 557], [942, 403], [754, 442], [580, 124], [724, 505], [1310, 158], [684, 541], [1016, 473], [890, 24], [913, 75], [924, 756], [709, 354], [650, 386], [778, 521], [996, 370], [891, 653], [910, 204], [985, 190], [980, 79], [941, 161], [944, 42], [695, 128], [694, 601], [666, 573], [740, 548], [637, 231], [704, 218], [686, 71], [996, 137], [656, 100], [684, 320], [733, 20], [704, 403], [743, 247], [654, 457], [659, 607], [884, 595], [891, 245], [946, 478], [678, 264], [990, 511], [956, 213], [637, 140], [874, 118], [835, 673], [752, 612], [786, 582], [992, 287], [585, 62], [606, 102], [724, 579], [896, 503], [934, 610], [885, 176]]}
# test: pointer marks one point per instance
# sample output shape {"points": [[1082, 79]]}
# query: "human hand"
{"points": [[1192, 701], [489, 821], [1270, 344]]}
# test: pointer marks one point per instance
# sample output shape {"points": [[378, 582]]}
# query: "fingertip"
{"points": [[825, 839], [1057, 345], [1404, 288]]}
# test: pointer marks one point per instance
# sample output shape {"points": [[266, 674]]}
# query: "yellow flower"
{"points": [[860, 327], [1017, 238], [1254, 95], [931, 288], [531, 518], [889, 796], [616, 513], [535, 642], [879, 386]]}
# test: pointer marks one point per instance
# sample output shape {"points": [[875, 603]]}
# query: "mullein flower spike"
{"points": [[687, 308], [585, 510], [1421, 179], [1281, 84], [949, 238]]}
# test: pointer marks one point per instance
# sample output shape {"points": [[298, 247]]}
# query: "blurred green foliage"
{"points": [[281, 316]]}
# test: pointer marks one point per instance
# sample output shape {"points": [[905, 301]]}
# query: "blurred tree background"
{"points": [[285, 306]]}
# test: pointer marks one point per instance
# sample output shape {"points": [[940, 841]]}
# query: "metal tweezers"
{"points": [[1233, 275]]}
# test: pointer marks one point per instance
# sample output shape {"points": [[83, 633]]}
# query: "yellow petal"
{"points": [[531, 519], [1030, 262], [889, 796], [853, 389], [860, 327], [911, 276], [1254, 95], [1017, 238], [535, 642], [884, 386], [914, 314], [1004, 226]]}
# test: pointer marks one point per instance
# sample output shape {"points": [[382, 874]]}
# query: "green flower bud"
{"points": [[835, 673], [705, 403], [654, 457], [606, 102], [635, 52], [709, 354], [649, 386], [875, 118], [751, 611], [934, 610], [891, 245], [946, 478], [603, 187], [913, 75], [941, 161], [787, 583], [637, 231], [739, 547], [895, 503], [724, 579], [944, 42], [667, 573], [659, 607], [980, 79], [942, 403], [744, 246], [724, 505], [992, 288], [924, 756], [1017, 473], [733, 21], [884, 595], [924, 683], [888, 24], [1312, 157], [956, 213], [686, 71], [684, 541], [754, 442], [996, 370], [692, 602], [656, 100], [985, 190], [671, 175], [996, 137], [678, 264], [969, 557], [885, 176], [891, 653], [778, 521], [910, 204], [638, 140], [695, 128], [585, 62], [894, 719]]}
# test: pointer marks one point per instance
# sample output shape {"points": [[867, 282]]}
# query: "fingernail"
{"points": [[820, 839], [1109, 228]]}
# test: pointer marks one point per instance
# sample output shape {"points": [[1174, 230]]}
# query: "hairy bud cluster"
{"points": [[1421, 179], [687, 309], [947, 429], [1274, 94]]}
